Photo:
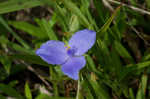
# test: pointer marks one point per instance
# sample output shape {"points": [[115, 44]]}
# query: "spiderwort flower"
{"points": [[69, 57]]}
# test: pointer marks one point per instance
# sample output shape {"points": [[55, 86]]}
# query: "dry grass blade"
{"points": [[130, 6]]}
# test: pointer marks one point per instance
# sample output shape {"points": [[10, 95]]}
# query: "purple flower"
{"points": [[69, 57]]}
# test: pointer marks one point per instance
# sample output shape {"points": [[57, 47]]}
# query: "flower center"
{"points": [[71, 50]]}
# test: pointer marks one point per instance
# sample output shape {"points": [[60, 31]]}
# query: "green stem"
{"points": [[78, 91], [55, 89], [54, 82]]}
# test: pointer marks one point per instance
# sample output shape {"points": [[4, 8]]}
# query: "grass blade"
{"points": [[28, 28], [28, 93], [15, 5], [107, 24], [4, 23], [142, 87]]}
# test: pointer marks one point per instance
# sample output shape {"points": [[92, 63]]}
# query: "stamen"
{"points": [[67, 47], [71, 51]]}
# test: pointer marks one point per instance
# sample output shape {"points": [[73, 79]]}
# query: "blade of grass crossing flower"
{"points": [[15, 5], [4, 23], [142, 87], [28, 93], [107, 24], [48, 27]]}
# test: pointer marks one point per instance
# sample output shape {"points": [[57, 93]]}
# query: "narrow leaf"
{"points": [[107, 24], [29, 58], [15, 5], [28, 28], [28, 93], [10, 91]]}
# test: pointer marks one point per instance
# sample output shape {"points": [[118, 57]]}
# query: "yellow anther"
{"points": [[67, 47]]}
